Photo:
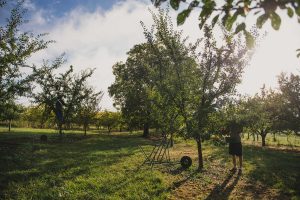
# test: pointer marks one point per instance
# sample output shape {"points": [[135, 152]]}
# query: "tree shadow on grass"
{"points": [[189, 176], [274, 168], [59, 160], [223, 191]]}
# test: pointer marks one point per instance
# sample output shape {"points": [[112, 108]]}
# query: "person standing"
{"points": [[235, 145]]}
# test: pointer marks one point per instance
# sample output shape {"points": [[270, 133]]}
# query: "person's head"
{"points": [[235, 127]]}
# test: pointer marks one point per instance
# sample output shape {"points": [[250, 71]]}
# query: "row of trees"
{"points": [[35, 117], [188, 89], [266, 112], [46, 87]]}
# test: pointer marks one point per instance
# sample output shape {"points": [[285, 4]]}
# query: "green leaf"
{"points": [[181, 17], [249, 39], [230, 21], [240, 27], [175, 4], [290, 12], [275, 20], [261, 20], [214, 20], [224, 19], [205, 12]]}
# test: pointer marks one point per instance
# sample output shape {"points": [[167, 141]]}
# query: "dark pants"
{"points": [[235, 149]]}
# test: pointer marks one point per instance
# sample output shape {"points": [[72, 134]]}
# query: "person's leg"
{"points": [[240, 165], [234, 161], [241, 161]]}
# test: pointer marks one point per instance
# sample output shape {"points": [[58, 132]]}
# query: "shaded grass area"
{"points": [[75, 167], [101, 166]]}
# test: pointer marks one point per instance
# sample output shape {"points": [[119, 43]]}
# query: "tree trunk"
{"points": [[274, 137], [9, 125], [200, 157], [171, 140], [60, 128], [256, 137], [263, 139], [85, 127], [248, 136], [146, 130]]}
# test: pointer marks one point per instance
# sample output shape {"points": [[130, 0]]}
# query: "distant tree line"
{"points": [[35, 117]]}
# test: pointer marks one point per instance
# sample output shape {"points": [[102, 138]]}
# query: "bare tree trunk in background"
{"points": [[200, 157], [9, 125], [146, 130]]}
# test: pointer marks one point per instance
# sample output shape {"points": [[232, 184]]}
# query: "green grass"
{"points": [[102, 166], [292, 140]]}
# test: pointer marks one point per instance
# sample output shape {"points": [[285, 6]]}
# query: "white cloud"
{"points": [[29, 5], [95, 40], [101, 38]]}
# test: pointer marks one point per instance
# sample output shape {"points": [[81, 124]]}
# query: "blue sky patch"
{"points": [[60, 7]]}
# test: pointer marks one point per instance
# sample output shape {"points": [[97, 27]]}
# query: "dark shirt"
{"points": [[235, 138]]}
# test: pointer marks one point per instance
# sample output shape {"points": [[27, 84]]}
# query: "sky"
{"points": [[98, 33]]}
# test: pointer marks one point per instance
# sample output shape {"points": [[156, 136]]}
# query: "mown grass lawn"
{"points": [[101, 166]]}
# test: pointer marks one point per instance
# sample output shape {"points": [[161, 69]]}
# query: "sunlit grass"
{"points": [[279, 140]]}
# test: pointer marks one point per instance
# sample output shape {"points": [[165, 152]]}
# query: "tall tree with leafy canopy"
{"points": [[234, 11], [131, 90], [200, 81], [16, 47], [67, 88], [172, 69]]}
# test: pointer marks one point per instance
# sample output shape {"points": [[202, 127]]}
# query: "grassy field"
{"points": [[280, 140], [102, 166]]}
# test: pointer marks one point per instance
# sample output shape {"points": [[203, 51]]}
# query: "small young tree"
{"points": [[109, 119], [36, 116], [260, 115], [9, 112], [89, 107], [66, 89]]}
